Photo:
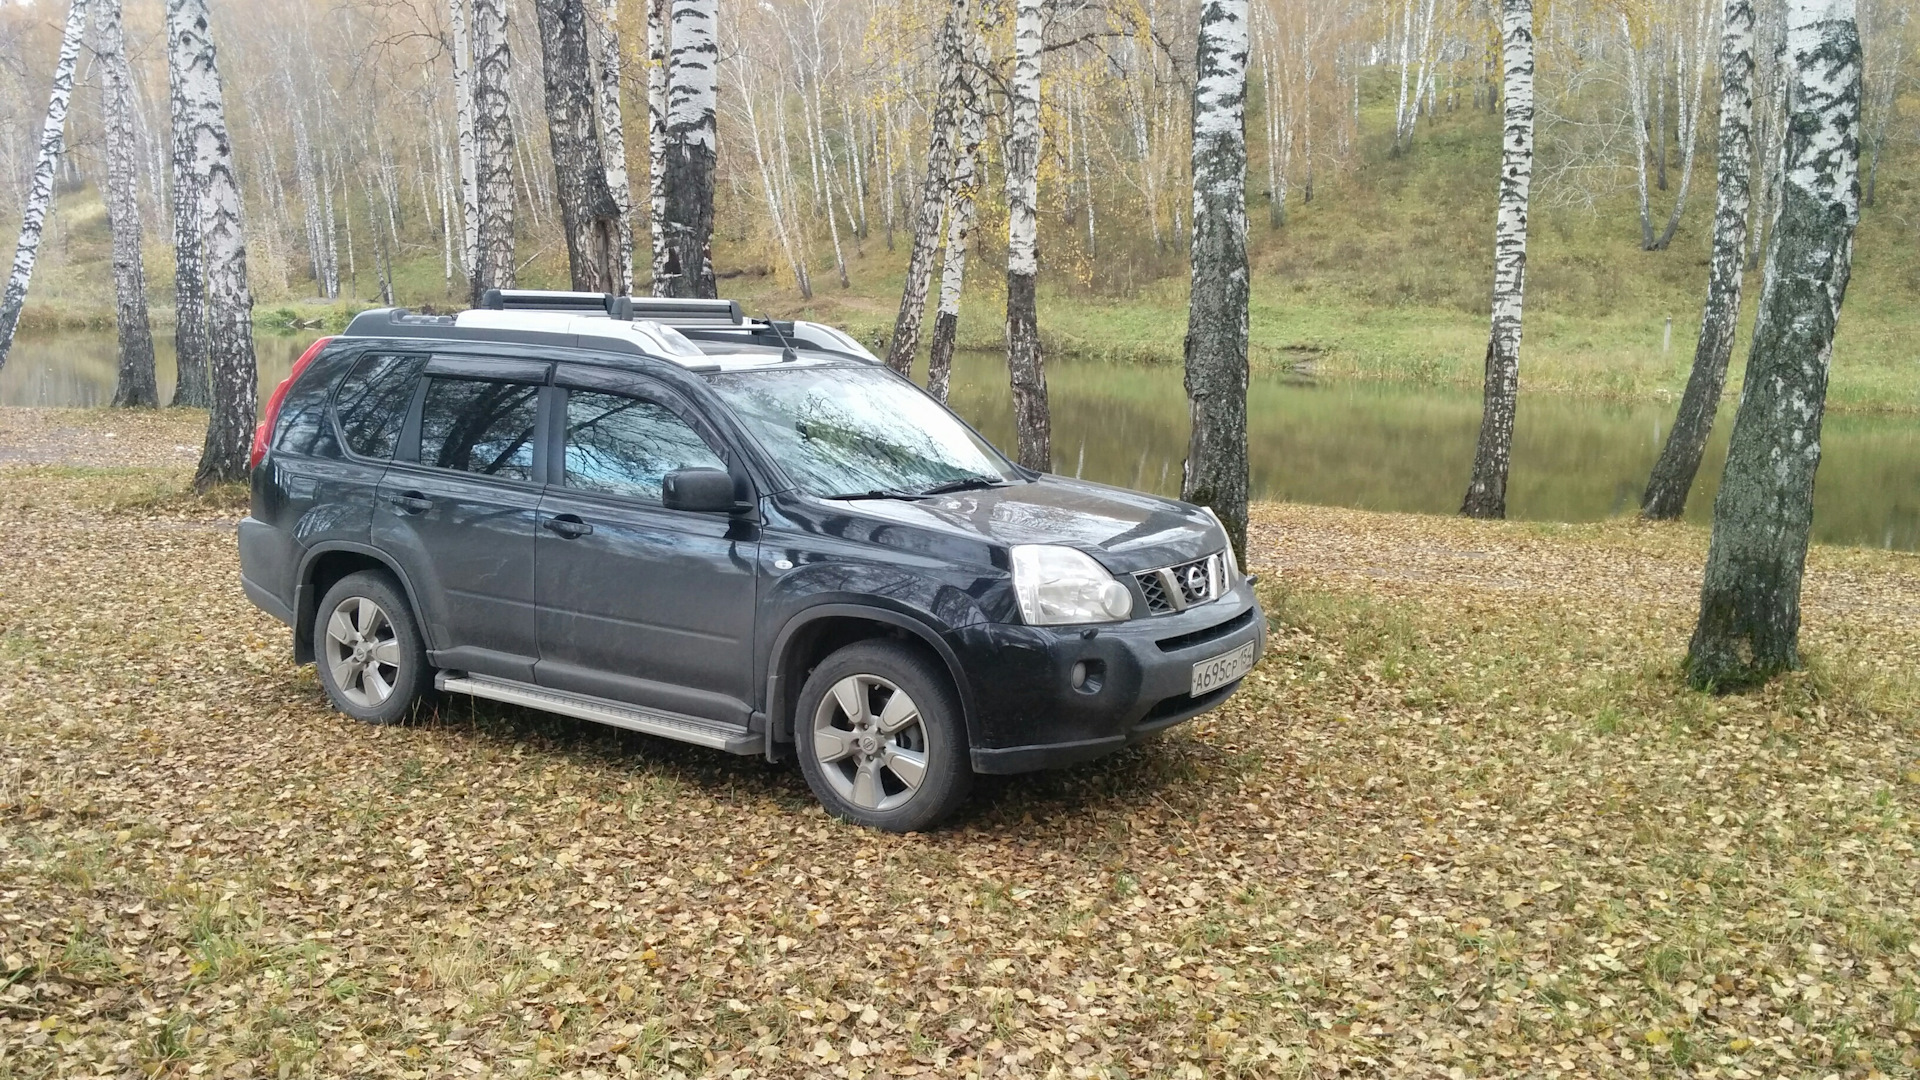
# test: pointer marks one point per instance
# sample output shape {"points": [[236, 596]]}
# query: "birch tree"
{"points": [[687, 217], [1487, 491], [1749, 624], [493, 144], [613, 138], [190, 385], [589, 216], [1216, 347], [1673, 474], [950, 48], [659, 23], [40, 187], [135, 384], [230, 365], [960, 218], [1026, 368], [467, 148], [1688, 129]]}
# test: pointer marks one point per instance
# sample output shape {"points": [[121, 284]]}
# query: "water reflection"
{"points": [[1380, 447]]}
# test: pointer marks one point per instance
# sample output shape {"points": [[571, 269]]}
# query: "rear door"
{"points": [[639, 603], [457, 510]]}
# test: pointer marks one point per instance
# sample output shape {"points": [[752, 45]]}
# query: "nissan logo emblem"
{"points": [[1197, 580]]}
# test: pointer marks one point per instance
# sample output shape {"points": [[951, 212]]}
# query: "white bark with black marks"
{"points": [[231, 374], [1688, 128], [1673, 474], [933, 187], [493, 142], [613, 136], [687, 220], [659, 36], [1026, 368], [1749, 624], [135, 385], [1216, 347], [1487, 491], [40, 186], [190, 387], [589, 215], [467, 146], [960, 218]]}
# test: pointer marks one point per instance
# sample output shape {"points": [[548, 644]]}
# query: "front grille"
{"points": [[1177, 588]]}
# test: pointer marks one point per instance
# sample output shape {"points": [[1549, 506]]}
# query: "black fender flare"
{"points": [[911, 622], [304, 600]]}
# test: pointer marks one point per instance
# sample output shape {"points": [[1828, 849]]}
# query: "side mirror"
{"points": [[702, 491]]}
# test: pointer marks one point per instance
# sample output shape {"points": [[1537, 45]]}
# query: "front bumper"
{"points": [[1028, 715]]}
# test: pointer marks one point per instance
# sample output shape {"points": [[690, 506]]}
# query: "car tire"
{"points": [[372, 659], [881, 738]]}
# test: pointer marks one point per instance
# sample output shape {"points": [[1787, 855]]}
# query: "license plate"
{"points": [[1211, 675]]}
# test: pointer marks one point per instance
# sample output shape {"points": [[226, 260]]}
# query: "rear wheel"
{"points": [[881, 739], [372, 660]]}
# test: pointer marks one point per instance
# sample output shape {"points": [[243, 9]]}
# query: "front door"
{"points": [[458, 506], [639, 603]]}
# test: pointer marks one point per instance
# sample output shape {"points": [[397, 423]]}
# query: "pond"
{"points": [[1373, 446]]}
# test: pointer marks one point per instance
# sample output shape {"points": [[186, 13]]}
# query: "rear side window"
{"points": [[476, 426], [626, 446], [303, 427], [372, 402]]}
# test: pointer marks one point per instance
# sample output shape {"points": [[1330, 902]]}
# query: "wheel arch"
{"points": [[815, 633], [327, 563]]}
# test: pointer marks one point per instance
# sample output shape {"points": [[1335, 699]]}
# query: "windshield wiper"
{"points": [[964, 483], [876, 493]]}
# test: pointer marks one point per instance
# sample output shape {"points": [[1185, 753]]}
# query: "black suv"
{"points": [[744, 534]]}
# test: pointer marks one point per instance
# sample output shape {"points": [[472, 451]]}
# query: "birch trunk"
{"points": [[310, 196], [589, 216], [1637, 94], [1673, 474], [1750, 597], [230, 364], [960, 217], [688, 218], [464, 133], [1026, 368], [1216, 347], [933, 187], [190, 386], [493, 149], [135, 385], [1487, 492], [659, 25], [40, 187], [1689, 126], [775, 205], [614, 139]]}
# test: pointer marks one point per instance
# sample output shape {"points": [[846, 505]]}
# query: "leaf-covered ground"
{"points": [[1464, 820]]}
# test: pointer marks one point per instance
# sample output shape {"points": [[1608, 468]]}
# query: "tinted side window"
{"points": [[627, 446], [373, 401], [479, 427], [303, 427]]}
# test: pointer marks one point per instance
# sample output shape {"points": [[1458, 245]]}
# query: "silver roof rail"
{"points": [[658, 308]]}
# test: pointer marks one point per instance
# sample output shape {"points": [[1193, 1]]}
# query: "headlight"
{"points": [[1233, 564], [1059, 586]]}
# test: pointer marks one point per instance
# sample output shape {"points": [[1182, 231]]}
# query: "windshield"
{"points": [[856, 430]]}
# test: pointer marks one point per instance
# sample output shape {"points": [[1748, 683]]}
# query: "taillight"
{"points": [[261, 433]]}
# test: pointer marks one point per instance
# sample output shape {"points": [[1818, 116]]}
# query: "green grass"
{"points": [[1384, 275]]}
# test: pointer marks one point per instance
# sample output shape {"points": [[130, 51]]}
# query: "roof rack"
{"points": [[663, 309]]}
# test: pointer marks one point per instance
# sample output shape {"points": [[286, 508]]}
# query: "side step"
{"points": [[687, 729]]}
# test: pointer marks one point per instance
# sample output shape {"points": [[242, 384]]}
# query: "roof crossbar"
{"points": [[664, 309]]}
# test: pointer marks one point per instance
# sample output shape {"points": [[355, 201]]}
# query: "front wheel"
{"points": [[881, 739], [373, 662]]}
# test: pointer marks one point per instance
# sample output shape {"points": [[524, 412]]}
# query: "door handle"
{"points": [[567, 525], [411, 502]]}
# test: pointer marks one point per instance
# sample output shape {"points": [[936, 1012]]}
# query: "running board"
{"points": [[686, 729]]}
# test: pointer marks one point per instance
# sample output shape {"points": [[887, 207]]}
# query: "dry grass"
{"points": [[1464, 820]]}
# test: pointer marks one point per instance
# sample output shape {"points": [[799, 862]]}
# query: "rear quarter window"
{"points": [[373, 400], [303, 429]]}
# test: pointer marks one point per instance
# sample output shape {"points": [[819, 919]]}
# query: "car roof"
{"points": [[696, 335]]}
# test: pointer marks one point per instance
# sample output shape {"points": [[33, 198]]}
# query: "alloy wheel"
{"points": [[363, 652], [871, 742]]}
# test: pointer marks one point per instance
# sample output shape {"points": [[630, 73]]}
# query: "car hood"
{"points": [[1124, 530]]}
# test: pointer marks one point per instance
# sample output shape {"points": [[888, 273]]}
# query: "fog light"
{"points": [[1079, 675], [1087, 675]]}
